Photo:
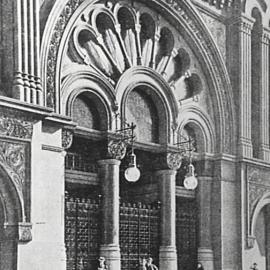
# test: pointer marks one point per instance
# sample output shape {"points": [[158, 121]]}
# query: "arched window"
{"points": [[142, 111], [85, 112]]}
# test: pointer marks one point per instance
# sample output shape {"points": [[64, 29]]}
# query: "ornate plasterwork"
{"points": [[116, 149], [13, 160], [15, 127], [67, 138]]}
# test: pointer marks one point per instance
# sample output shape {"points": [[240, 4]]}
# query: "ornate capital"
{"points": [[67, 138], [25, 233], [15, 127], [169, 160], [116, 149]]}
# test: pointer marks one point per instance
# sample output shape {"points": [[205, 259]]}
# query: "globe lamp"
{"points": [[132, 173], [190, 181]]}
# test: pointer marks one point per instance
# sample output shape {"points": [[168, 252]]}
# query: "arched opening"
{"points": [[262, 236], [10, 216], [256, 60]]}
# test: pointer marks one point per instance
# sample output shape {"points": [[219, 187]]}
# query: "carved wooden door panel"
{"points": [[186, 234], [139, 234], [82, 232]]}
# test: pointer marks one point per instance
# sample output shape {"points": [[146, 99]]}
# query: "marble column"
{"points": [[205, 250], [166, 179], [244, 28], [109, 176], [264, 152], [109, 179]]}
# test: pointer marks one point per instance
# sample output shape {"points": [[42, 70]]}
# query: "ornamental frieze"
{"points": [[15, 127]]}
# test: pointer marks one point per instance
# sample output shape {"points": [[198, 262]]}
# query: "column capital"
{"points": [[168, 161], [244, 23], [266, 36]]}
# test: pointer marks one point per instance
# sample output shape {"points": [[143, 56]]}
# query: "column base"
{"points": [[245, 148], [111, 253], [264, 153], [167, 258], [206, 257]]}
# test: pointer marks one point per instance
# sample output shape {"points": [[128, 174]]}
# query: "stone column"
{"points": [[244, 28], [109, 178], [264, 152], [166, 180], [205, 250]]}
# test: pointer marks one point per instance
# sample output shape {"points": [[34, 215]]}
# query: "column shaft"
{"points": [[109, 176], [245, 145], [264, 152], [167, 252]]}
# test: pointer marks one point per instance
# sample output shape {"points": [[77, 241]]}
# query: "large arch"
{"points": [[186, 19]]}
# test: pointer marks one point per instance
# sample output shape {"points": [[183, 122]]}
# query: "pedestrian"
{"points": [[148, 265], [199, 266], [102, 265]]}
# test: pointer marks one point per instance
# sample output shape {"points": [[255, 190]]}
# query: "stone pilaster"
{"points": [[205, 250], [244, 28], [169, 163], [264, 152]]}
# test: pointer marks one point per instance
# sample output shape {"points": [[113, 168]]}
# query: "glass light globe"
{"points": [[132, 174], [190, 182]]}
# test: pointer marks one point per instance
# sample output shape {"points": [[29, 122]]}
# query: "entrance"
{"points": [[139, 233], [82, 231]]}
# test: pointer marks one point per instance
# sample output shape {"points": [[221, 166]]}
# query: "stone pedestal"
{"points": [[167, 251], [109, 176], [206, 257]]}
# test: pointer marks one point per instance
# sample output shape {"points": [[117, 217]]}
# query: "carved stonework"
{"points": [[25, 234], [15, 128], [113, 60], [170, 160], [62, 21], [174, 160], [116, 149], [12, 158], [67, 138]]}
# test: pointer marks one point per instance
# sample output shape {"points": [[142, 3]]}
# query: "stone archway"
{"points": [[10, 217]]}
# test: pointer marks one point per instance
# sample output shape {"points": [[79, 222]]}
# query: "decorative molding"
{"points": [[67, 138], [52, 148], [116, 149], [59, 28], [25, 232], [14, 127]]}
